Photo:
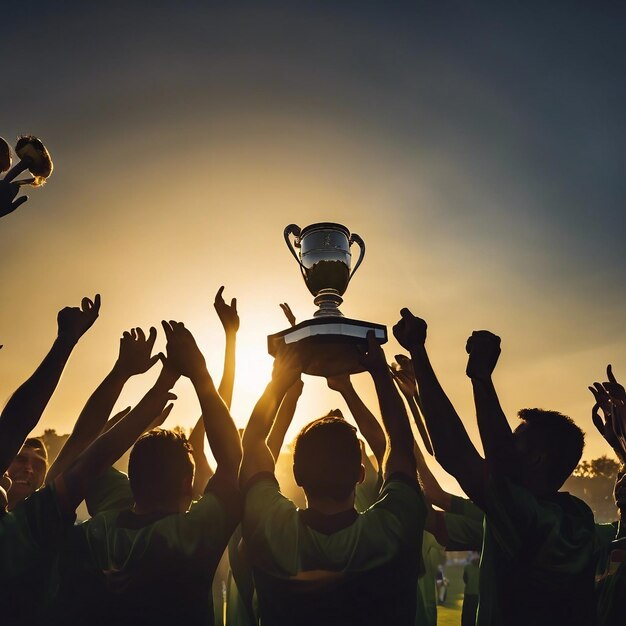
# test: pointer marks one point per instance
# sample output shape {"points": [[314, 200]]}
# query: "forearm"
{"points": [[203, 469], [283, 420], [433, 492], [112, 444], [90, 422], [256, 453], [367, 423], [227, 383], [399, 453], [450, 440], [220, 429], [494, 428], [25, 407]]}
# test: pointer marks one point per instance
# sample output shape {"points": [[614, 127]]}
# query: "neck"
{"points": [[328, 506]]}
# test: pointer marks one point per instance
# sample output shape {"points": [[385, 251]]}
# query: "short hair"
{"points": [[159, 463], [37, 444], [558, 437], [327, 458]]}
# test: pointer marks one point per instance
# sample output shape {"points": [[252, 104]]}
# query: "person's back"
{"points": [[328, 564], [347, 568]]}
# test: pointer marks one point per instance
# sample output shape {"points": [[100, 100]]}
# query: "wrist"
{"points": [[65, 341], [118, 371], [200, 376]]}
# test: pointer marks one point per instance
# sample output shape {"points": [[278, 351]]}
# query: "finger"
{"points": [[468, 345], [218, 295], [609, 373], [85, 304], [233, 304], [167, 329], [166, 411], [126, 335], [141, 335], [597, 420], [171, 396], [96, 303], [133, 333], [152, 337], [406, 314], [19, 202]]}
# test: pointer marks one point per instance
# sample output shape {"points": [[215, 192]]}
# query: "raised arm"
{"points": [[184, 355], [230, 322], [135, 357], [453, 448], [257, 457], [483, 348], [433, 491], [25, 407], [399, 455], [284, 418], [112, 444], [368, 424]]}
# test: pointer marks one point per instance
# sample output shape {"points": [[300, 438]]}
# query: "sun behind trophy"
{"points": [[328, 343]]}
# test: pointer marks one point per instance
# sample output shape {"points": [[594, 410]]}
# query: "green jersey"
{"points": [[347, 568], [30, 536], [538, 558], [611, 587], [124, 568]]}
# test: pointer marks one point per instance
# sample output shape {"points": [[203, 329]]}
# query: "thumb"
{"points": [[19, 201]]}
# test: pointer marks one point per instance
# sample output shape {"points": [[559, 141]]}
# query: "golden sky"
{"points": [[180, 155]]}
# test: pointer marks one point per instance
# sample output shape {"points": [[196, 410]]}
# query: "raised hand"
{"points": [[135, 355], [373, 357], [227, 313], [287, 368], [74, 322], [183, 354], [410, 331], [286, 309], [483, 348], [610, 397], [8, 191], [403, 374]]}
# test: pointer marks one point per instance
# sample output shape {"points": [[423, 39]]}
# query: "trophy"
{"points": [[328, 343]]}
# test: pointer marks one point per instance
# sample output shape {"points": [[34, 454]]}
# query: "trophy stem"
{"points": [[328, 301]]}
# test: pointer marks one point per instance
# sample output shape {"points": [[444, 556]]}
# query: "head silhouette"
{"points": [[160, 471], [327, 459], [550, 445]]}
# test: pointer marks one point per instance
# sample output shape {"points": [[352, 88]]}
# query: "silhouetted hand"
{"points": [[483, 348], [287, 368], [286, 309], [410, 331], [403, 374], [74, 322], [339, 383], [163, 415], [227, 314], [183, 354], [619, 491], [8, 191], [610, 396], [372, 357], [135, 355]]}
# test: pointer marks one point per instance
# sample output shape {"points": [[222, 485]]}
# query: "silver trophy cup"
{"points": [[325, 261]]}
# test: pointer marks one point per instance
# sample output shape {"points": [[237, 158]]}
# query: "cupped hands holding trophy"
{"points": [[34, 157]]}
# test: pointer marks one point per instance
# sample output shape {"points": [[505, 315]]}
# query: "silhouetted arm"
{"points": [[399, 455], [365, 420], [257, 456], [483, 348], [112, 444], [284, 418], [453, 448], [185, 357], [433, 492], [25, 407], [134, 358]]}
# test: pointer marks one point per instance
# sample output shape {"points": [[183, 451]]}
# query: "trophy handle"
{"points": [[356, 239], [293, 229]]}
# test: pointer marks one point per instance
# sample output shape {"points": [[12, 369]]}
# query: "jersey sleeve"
{"points": [[110, 492], [465, 507], [402, 501], [270, 526], [462, 532]]}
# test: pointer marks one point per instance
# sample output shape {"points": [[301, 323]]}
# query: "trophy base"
{"points": [[328, 346]]}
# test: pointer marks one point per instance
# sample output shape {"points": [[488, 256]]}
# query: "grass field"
{"points": [[449, 614]]}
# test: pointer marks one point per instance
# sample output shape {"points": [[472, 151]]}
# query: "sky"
{"points": [[477, 150]]}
